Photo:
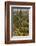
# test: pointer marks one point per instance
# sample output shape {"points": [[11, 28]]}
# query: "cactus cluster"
{"points": [[21, 23]]}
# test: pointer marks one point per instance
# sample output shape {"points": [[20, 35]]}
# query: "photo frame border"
{"points": [[7, 22]]}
